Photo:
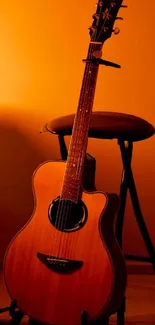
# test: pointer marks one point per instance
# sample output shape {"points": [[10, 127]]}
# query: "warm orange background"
{"points": [[42, 44]]}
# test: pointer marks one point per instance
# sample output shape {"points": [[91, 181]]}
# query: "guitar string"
{"points": [[67, 247], [83, 116], [63, 206], [76, 237], [57, 222], [88, 127], [67, 205]]}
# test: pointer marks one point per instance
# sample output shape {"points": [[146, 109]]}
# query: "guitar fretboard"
{"points": [[79, 139]]}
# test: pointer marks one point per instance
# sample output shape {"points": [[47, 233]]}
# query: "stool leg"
{"points": [[140, 220], [121, 210], [63, 148], [126, 157], [121, 313], [123, 198], [119, 231]]}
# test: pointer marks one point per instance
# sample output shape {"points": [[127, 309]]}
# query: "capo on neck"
{"points": [[103, 62]]}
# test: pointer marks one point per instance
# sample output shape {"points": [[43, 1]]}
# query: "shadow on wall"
{"points": [[19, 159]]}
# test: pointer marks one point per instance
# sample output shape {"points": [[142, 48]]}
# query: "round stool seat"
{"points": [[106, 125]]}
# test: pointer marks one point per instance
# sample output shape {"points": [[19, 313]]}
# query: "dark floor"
{"points": [[140, 307]]}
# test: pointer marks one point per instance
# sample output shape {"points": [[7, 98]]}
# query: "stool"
{"points": [[127, 129]]}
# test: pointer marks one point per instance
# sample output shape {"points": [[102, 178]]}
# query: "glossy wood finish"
{"points": [[59, 298]]}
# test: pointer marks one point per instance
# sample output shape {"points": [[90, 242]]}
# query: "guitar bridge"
{"points": [[60, 265]]}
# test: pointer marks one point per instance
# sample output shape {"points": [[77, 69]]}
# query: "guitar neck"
{"points": [[79, 139]]}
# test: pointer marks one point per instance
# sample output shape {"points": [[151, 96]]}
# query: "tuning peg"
{"points": [[93, 28], [124, 6], [118, 18], [100, 3], [116, 30], [96, 16], [112, 3]]}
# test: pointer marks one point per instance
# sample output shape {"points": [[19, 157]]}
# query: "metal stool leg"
{"points": [[121, 313], [128, 183], [123, 198], [126, 158], [119, 227]]}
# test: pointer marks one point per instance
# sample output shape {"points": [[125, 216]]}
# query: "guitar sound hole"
{"points": [[66, 215]]}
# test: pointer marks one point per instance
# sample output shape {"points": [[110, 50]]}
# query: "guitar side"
{"points": [[47, 295]]}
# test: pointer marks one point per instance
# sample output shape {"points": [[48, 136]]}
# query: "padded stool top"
{"points": [[106, 125]]}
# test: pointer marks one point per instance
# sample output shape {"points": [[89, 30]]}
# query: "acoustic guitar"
{"points": [[66, 261]]}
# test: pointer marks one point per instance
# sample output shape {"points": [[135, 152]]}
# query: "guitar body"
{"points": [[94, 276], [66, 259]]}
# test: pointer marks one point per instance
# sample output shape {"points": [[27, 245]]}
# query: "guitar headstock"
{"points": [[104, 19]]}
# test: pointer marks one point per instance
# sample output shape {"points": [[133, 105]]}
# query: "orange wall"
{"points": [[42, 44]]}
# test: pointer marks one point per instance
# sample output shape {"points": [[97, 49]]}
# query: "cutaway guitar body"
{"points": [[66, 259], [55, 275]]}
